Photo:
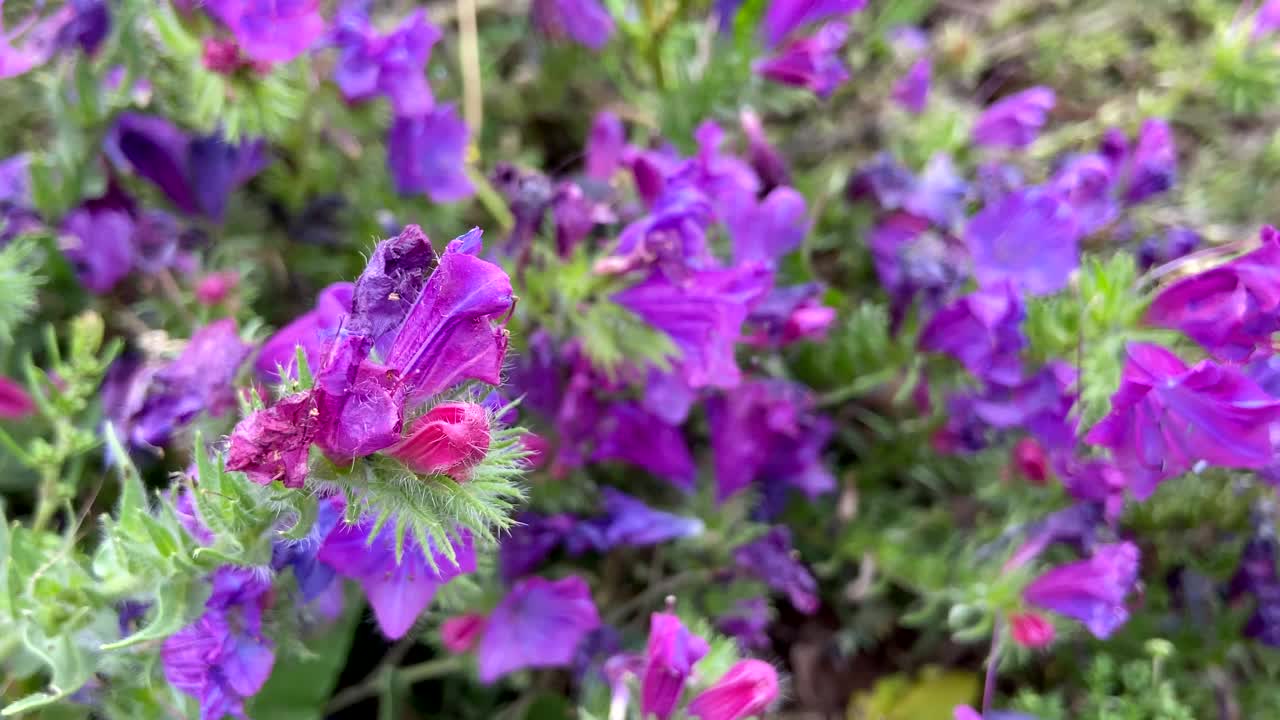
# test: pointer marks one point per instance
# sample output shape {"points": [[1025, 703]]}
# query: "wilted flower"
{"points": [[1014, 121], [539, 624], [999, 234], [449, 440], [1092, 591], [746, 690], [669, 659], [771, 559], [812, 62]]}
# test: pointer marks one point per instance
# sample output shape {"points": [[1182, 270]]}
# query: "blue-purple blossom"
{"points": [[302, 556], [766, 230], [982, 330], [427, 154], [1085, 184], [1152, 166], [628, 522], [539, 624], [1014, 121], [1000, 236], [784, 16], [394, 64], [748, 623], [1168, 246], [605, 146], [772, 560], [586, 22], [629, 433], [530, 542], [1093, 590], [812, 62], [311, 330], [270, 30], [1257, 577], [912, 90]]}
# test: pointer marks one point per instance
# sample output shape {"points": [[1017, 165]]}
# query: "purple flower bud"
{"points": [[746, 690], [812, 62], [605, 146], [449, 440], [748, 622], [765, 159], [1153, 166], [215, 287], [539, 624], [99, 240], [427, 154], [1014, 121], [1092, 591], [669, 659], [912, 90], [460, 633]]}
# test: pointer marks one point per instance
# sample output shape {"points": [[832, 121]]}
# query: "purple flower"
{"points": [[996, 180], [270, 30], [913, 261], [998, 235], [99, 240], [1256, 576], [1233, 309], [397, 591], [1165, 418], [392, 64], [746, 690], [883, 181], [313, 576], [197, 174], [15, 403], [669, 659], [427, 154], [223, 658], [585, 22], [1076, 526], [1040, 404], [912, 90], [982, 330], [1092, 591], [784, 16], [1153, 165], [1085, 184], [633, 435], [768, 430], [767, 230], [1014, 121], [766, 161], [671, 238], [940, 194], [812, 62], [35, 40], [605, 146], [627, 522], [1167, 247], [390, 284], [312, 330], [1267, 20], [539, 624], [771, 559], [529, 543], [789, 314], [1094, 481], [703, 316], [748, 622]]}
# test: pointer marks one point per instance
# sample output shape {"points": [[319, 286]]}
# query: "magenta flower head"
{"points": [[912, 90], [1014, 121], [274, 32], [1233, 309], [427, 154], [15, 403], [1167, 417], [449, 440], [1092, 591], [312, 330], [789, 314], [746, 690], [998, 235], [398, 592], [460, 633], [393, 64], [771, 559], [983, 330], [812, 62], [585, 22], [539, 624], [669, 659], [784, 16]]}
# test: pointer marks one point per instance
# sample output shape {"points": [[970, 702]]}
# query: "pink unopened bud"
{"points": [[809, 323], [214, 287], [746, 690], [538, 449], [1030, 630], [15, 403], [460, 633], [1031, 461], [448, 440]]}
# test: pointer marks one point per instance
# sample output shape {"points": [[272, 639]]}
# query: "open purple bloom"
{"points": [[312, 330], [669, 659], [1014, 121], [1092, 591], [768, 430], [629, 433], [915, 262], [1041, 404], [1166, 417], [398, 592], [912, 90], [585, 22], [539, 624], [1267, 19], [1256, 576], [528, 544], [35, 40], [627, 522], [313, 576], [748, 622], [784, 16], [982, 330], [223, 658], [605, 146], [672, 237], [764, 231], [427, 154], [772, 560], [1153, 166], [1232, 309], [270, 30], [99, 239], [197, 174], [812, 62], [1076, 526], [998, 238], [1085, 184], [940, 194], [392, 64], [1166, 247]]}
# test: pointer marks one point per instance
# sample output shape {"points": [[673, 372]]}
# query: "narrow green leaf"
{"points": [[133, 497], [308, 508]]}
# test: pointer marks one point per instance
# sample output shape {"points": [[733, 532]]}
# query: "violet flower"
{"points": [[427, 154], [274, 32], [1164, 248], [628, 522], [669, 659], [748, 623], [1166, 417], [1092, 591], [812, 62], [769, 229], [1267, 20], [312, 330], [398, 591], [1085, 184], [766, 161], [998, 235], [746, 690], [539, 624], [605, 146], [912, 90], [529, 543], [1256, 576], [98, 239], [671, 238], [982, 330], [302, 556], [1014, 121], [1153, 165], [629, 433], [35, 40], [1232, 309], [393, 64], [772, 560], [914, 263], [787, 315], [585, 22], [1041, 404], [784, 16]]}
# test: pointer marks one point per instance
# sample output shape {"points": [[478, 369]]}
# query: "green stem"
{"points": [[404, 677]]}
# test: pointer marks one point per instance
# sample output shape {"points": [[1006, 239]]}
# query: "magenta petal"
{"points": [[248, 665], [540, 623], [397, 601], [1092, 591], [767, 231], [427, 154]]}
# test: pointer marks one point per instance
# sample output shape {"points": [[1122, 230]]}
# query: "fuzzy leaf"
{"points": [[178, 602], [69, 666]]}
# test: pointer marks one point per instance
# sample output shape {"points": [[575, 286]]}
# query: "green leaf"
{"points": [[299, 689], [308, 508], [133, 497], [178, 602], [69, 666]]}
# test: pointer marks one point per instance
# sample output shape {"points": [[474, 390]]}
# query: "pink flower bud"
{"points": [[746, 690], [1031, 461], [1030, 630], [214, 287], [15, 403], [460, 633], [448, 440]]}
